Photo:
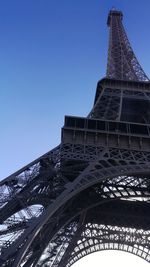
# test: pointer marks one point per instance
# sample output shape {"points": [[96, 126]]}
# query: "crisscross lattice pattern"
{"points": [[122, 62]]}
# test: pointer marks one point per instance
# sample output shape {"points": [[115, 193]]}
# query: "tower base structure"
{"points": [[90, 193]]}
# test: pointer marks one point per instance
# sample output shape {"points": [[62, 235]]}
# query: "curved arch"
{"points": [[104, 205], [116, 246], [87, 178], [95, 237]]}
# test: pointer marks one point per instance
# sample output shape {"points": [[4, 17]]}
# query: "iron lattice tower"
{"points": [[92, 192]]}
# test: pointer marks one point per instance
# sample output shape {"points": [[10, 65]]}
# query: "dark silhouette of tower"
{"points": [[92, 192]]}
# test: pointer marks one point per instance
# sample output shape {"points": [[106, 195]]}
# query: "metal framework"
{"points": [[92, 192], [122, 62]]}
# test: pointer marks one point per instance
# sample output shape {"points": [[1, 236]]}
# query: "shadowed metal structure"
{"points": [[92, 192], [122, 63]]}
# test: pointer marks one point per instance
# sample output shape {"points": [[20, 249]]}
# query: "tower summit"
{"points": [[122, 63], [113, 13], [92, 192]]}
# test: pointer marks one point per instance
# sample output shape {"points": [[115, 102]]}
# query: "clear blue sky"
{"points": [[52, 53]]}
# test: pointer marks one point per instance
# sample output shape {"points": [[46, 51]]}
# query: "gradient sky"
{"points": [[52, 53]]}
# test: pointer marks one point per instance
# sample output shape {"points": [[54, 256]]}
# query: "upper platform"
{"points": [[115, 13]]}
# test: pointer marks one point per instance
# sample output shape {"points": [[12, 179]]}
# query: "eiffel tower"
{"points": [[92, 192]]}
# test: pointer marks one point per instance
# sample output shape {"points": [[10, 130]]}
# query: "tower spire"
{"points": [[122, 63]]}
